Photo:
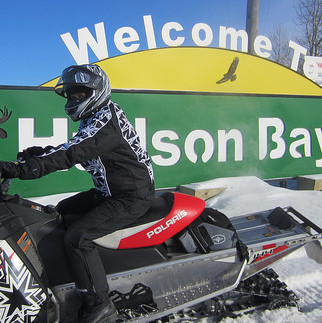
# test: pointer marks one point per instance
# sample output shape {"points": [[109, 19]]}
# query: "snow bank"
{"points": [[250, 194]]}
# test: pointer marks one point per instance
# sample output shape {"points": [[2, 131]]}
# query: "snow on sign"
{"points": [[201, 112]]}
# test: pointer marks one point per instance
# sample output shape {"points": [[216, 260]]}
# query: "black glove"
{"points": [[31, 169], [32, 151], [9, 170]]}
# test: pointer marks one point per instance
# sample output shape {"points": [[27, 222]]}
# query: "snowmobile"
{"points": [[180, 255]]}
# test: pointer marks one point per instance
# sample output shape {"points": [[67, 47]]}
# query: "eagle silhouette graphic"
{"points": [[5, 116], [230, 75]]}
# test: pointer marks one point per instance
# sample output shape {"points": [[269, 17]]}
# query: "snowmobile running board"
{"points": [[155, 291], [211, 277], [175, 284]]}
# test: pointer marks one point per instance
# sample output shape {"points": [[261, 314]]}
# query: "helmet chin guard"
{"points": [[88, 79]]}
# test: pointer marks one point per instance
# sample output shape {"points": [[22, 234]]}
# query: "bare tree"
{"points": [[309, 17], [281, 52]]}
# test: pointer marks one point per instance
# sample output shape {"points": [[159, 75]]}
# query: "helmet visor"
{"points": [[75, 76], [78, 94]]}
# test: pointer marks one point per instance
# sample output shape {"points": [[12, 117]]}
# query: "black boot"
{"points": [[97, 309]]}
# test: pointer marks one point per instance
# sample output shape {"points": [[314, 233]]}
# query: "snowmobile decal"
{"points": [[267, 252], [167, 224], [24, 241], [218, 239], [18, 284], [165, 228]]}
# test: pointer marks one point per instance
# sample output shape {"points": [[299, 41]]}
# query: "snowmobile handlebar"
{"points": [[5, 186], [5, 183]]}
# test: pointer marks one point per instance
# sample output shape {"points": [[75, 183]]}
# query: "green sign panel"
{"points": [[190, 136]]}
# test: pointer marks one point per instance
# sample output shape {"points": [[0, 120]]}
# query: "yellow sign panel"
{"points": [[203, 70]]}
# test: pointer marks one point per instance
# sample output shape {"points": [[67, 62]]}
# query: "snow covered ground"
{"points": [[302, 274]]}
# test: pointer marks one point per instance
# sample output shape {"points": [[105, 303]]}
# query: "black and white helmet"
{"points": [[88, 79]]}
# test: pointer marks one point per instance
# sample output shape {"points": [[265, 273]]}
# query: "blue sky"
{"points": [[32, 51]]}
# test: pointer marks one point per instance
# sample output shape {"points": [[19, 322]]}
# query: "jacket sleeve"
{"points": [[85, 145]]}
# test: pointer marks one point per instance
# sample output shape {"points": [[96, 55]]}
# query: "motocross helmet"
{"points": [[86, 87]]}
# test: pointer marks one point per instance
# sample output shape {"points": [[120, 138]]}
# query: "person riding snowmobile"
{"points": [[108, 147]]}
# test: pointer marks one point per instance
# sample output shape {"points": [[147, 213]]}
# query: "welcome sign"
{"points": [[202, 113], [128, 39]]}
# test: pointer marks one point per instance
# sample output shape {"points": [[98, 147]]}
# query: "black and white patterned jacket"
{"points": [[108, 147]]}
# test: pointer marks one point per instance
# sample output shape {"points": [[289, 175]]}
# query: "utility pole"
{"points": [[252, 23]]}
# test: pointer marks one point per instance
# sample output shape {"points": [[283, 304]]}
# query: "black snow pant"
{"points": [[87, 217]]}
